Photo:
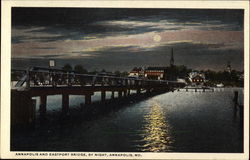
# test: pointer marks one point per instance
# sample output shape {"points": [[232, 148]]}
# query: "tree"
{"points": [[124, 74], [117, 73], [79, 69], [93, 72], [135, 68], [103, 70], [182, 71], [67, 67]]}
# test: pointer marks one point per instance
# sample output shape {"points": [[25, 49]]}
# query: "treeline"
{"points": [[81, 70], [180, 71], [233, 78]]}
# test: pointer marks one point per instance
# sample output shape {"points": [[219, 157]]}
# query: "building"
{"points": [[137, 72], [156, 73], [197, 78]]}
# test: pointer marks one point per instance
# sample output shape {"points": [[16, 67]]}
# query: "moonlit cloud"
{"points": [[173, 25]]}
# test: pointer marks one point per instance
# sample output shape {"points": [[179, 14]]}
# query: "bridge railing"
{"points": [[36, 77]]}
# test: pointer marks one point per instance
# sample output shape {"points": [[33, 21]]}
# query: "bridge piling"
{"points": [[125, 93], [65, 104], [235, 99], [138, 91], [103, 96], [43, 106], [113, 95], [148, 91], [119, 94], [22, 108], [88, 99]]}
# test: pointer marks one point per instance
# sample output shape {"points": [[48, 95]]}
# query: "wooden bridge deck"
{"points": [[66, 84], [81, 90]]}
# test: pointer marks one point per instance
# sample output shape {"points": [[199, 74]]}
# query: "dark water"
{"points": [[170, 122]]}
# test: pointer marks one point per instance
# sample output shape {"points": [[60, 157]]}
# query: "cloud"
{"points": [[27, 34], [117, 27], [127, 38], [132, 43]]}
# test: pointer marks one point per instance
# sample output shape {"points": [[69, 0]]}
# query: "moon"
{"points": [[157, 38]]}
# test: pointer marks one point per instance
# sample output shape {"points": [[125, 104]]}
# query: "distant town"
{"points": [[180, 73]]}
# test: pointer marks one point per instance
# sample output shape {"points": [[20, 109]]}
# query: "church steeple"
{"points": [[172, 58]]}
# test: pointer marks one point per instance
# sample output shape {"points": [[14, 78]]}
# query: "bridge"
{"points": [[42, 82]]}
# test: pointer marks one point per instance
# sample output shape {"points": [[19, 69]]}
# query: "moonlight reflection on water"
{"points": [[156, 134]]}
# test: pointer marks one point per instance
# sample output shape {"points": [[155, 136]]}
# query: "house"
{"points": [[197, 78], [137, 72], [156, 73]]}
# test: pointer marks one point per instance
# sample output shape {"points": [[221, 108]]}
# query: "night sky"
{"points": [[120, 39]]}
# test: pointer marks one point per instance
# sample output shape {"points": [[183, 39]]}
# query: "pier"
{"points": [[42, 82], [196, 89]]}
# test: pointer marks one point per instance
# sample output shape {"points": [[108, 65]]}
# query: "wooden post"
{"points": [[125, 93], [67, 79], [103, 81], [186, 89], [136, 83], [103, 96], [172, 89], [203, 89], [241, 113], [93, 81], [138, 91], [43, 105], [113, 95], [87, 99], [128, 92], [195, 89], [119, 94], [65, 103], [235, 99], [148, 91], [33, 111], [82, 106], [28, 78], [22, 108]]}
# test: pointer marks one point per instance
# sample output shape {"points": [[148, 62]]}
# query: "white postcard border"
{"points": [[5, 75]]}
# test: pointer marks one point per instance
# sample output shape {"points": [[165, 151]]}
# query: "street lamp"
{"points": [[52, 63]]}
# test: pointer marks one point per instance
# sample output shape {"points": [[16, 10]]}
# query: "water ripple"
{"points": [[156, 131]]}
